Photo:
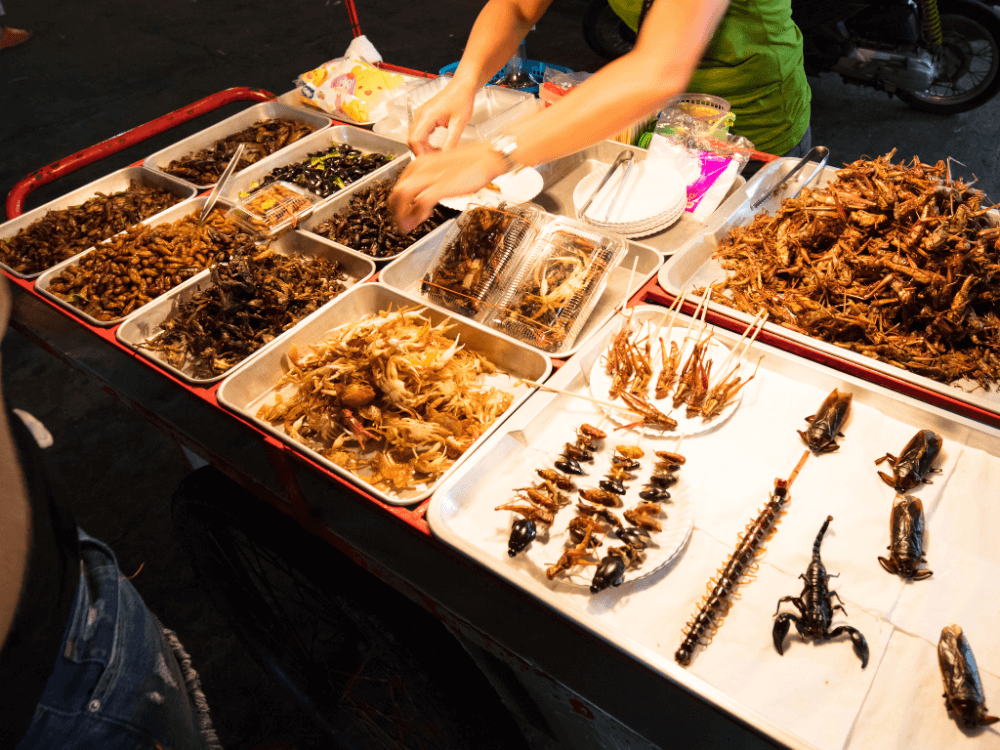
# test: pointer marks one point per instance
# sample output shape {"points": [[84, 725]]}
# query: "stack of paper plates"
{"points": [[651, 198]]}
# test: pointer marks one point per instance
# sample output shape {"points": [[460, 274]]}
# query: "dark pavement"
{"points": [[94, 70]]}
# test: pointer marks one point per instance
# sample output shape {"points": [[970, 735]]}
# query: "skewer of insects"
{"points": [[739, 569]]}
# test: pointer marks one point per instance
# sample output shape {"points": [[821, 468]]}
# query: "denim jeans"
{"points": [[116, 682]]}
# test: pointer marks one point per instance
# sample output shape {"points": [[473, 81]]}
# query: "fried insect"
{"points": [[599, 511], [62, 233], [581, 528], [963, 690], [575, 452], [601, 497], [914, 463], [642, 516], [892, 261], [738, 570], [825, 424], [529, 511], [546, 498], [906, 539], [522, 533], [630, 451], [569, 466], [560, 480], [572, 557], [667, 456], [611, 571], [612, 485], [327, 172]]}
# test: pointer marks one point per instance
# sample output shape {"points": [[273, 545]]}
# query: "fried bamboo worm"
{"points": [[738, 570]]}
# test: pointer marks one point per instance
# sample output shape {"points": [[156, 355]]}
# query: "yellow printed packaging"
{"points": [[349, 87]]}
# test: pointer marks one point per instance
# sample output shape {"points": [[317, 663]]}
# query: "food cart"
{"points": [[600, 668]]}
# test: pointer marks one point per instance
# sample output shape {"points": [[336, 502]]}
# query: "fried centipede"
{"points": [[715, 605]]}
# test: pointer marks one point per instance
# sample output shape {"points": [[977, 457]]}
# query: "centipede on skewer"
{"points": [[738, 570]]}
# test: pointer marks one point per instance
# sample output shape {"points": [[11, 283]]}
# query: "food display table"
{"points": [[599, 672]]}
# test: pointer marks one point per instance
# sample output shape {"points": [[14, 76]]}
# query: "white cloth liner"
{"points": [[817, 691]]}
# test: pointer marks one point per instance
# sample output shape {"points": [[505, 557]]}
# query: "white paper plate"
{"points": [[652, 189], [677, 520], [600, 384], [519, 187]]}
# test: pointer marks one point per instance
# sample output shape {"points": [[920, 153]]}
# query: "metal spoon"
{"points": [[814, 152], [624, 156], [213, 197]]}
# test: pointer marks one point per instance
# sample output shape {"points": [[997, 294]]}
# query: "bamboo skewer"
{"points": [[732, 352], [628, 288], [605, 404]]}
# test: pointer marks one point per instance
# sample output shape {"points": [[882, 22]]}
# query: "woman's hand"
{"points": [[438, 175], [451, 108]]}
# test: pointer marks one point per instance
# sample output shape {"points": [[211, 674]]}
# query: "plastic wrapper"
{"points": [[548, 300], [351, 88], [273, 208], [477, 252]]}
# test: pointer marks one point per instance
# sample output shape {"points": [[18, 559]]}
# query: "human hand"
{"points": [[438, 175], [450, 108]]}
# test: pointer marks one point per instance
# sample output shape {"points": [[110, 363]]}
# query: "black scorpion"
{"points": [[816, 606]]}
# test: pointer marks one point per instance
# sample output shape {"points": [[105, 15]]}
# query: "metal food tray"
{"points": [[112, 183], [231, 126], [406, 272], [146, 324], [363, 140], [172, 214], [563, 175], [693, 267], [816, 696], [245, 391], [339, 202]]}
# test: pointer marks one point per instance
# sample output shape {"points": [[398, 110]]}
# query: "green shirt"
{"points": [[754, 62]]}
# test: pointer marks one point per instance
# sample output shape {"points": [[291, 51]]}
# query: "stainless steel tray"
{"points": [[562, 176], [146, 324], [246, 390], [693, 267], [112, 183], [406, 272], [337, 203], [232, 125], [172, 214], [816, 695], [363, 140]]}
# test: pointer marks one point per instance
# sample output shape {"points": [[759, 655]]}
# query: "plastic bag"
{"points": [[351, 87], [556, 83]]}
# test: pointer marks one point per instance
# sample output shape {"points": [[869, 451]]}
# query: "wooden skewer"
{"points": [[605, 404], [628, 289], [676, 305], [796, 470], [725, 363]]}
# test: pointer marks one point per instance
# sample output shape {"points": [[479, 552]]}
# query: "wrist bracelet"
{"points": [[504, 146]]}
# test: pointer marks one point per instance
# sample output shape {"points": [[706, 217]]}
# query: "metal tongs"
{"points": [[213, 197], [624, 157], [814, 153]]}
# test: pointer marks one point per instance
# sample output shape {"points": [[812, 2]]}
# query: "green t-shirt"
{"points": [[754, 62]]}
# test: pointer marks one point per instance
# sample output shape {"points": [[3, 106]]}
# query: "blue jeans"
{"points": [[117, 682]]}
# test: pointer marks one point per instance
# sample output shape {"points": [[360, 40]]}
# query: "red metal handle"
{"points": [[45, 175]]}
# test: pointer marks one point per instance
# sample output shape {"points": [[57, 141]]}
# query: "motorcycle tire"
{"points": [[971, 49], [606, 34]]}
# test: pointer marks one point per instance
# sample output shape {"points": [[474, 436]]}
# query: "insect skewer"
{"points": [[605, 404], [674, 308]]}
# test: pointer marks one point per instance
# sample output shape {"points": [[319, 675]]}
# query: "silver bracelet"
{"points": [[504, 146]]}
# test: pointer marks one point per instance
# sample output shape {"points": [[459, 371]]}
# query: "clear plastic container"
{"points": [[273, 208], [494, 108], [550, 295], [477, 253]]}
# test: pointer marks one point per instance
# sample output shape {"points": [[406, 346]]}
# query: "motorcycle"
{"points": [[940, 56]]}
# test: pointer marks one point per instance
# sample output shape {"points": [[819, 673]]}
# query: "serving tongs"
{"points": [[814, 153], [213, 197], [625, 157]]}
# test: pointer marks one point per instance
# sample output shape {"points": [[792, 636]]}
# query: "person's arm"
{"points": [[15, 513], [498, 31], [634, 86]]}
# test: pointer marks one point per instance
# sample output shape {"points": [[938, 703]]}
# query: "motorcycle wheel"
{"points": [[606, 34], [971, 58]]}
